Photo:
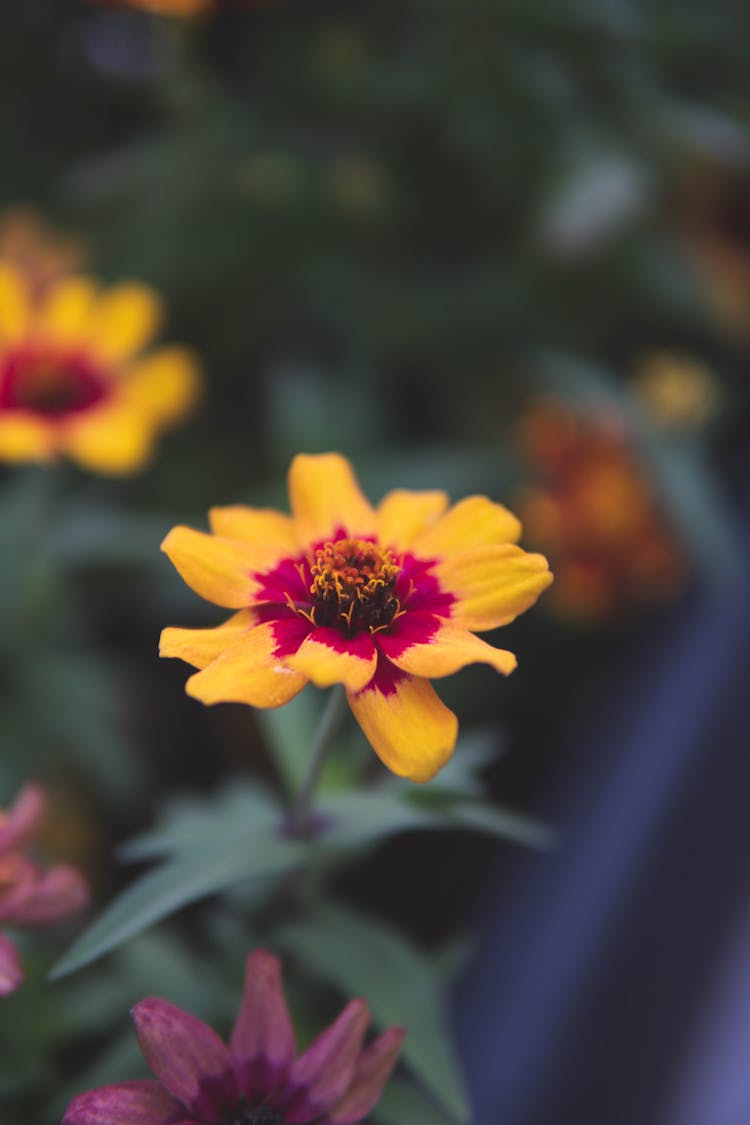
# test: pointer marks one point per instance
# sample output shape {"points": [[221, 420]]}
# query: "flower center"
{"points": [[353, 586], [45, 383], [256, 1115]]}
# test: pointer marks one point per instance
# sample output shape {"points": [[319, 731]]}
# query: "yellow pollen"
{"points": [[353, 584]]}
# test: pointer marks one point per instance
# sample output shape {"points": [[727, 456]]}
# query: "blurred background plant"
{"points": [[401, 230]]}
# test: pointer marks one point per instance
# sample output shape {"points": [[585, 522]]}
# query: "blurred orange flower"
{"points": [[595, 514], [381, 600], [30, 896], [181, 7], [713, 216], [73, 380]]}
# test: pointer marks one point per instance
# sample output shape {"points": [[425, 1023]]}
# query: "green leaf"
{"points": [[174, 885], [357, 819], [477, 816], [364, 957], [190, 826]]}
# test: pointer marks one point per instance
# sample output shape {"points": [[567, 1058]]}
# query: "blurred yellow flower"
{"points": [[593, 510], [73, 379], [677, 391], [381, 600]]}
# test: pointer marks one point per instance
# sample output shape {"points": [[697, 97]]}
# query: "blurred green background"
{"points": [[385, 228]]}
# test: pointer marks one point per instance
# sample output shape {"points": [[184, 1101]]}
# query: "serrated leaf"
{"points": [[174, 885], [364, 957]]}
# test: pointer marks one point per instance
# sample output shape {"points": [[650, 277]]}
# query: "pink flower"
{"points": [[256, 1080], [30, 896]]}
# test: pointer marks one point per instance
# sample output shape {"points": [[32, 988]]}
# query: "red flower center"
{"points": [[44, 382], [353, 586]]}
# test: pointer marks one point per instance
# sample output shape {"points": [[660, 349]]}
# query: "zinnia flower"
{"points": [[593, 509], [379, 600], [256, 1079], [30, 896], [73, 380]]}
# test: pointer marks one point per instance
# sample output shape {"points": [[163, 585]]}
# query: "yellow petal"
{"points": [[165, 385], [327, 657], [110, 439], [26, 438], [325, 497], [218, 569], [63, 318], [443, 653], [473, 522], [260, 526], [14, 306], [492, 584], [123, 320], [409, 727], [200, 646], [250, 672], [403, 515]]}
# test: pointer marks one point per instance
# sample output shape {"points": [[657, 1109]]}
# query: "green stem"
{"points": [[333, 711]]}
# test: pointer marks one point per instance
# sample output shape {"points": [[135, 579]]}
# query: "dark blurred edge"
{"points": [[594, 965]]}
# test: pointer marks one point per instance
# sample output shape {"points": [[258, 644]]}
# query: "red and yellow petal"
{"points": [[407, 724], [424, 645], [23, 437], [325, 498], [403, 515], [259, 526], [473, 522], [492, 585], [253, 670], [328, 657], [15, 306], [200, 647], [122, 320], [111, 438], [220, 570], [163, 386]]}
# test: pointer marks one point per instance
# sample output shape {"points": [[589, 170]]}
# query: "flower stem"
{"points": [[301, 818]]}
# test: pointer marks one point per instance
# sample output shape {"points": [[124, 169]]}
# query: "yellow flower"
{"points": [[381, 600], [678, 391], [73, 380]]}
